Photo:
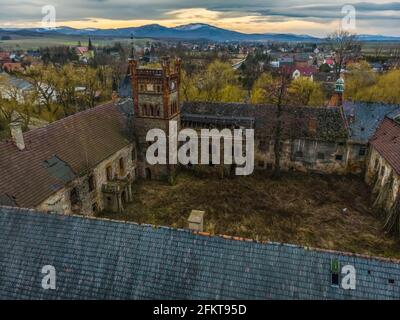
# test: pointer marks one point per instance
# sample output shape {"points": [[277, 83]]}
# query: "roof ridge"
{"points": [[51, 124], [220, 236]]}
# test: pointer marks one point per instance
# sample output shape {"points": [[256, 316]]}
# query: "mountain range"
{"points": [[193, 31]]}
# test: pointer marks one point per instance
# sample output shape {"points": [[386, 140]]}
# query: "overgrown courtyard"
{"points": [[312, 210]]}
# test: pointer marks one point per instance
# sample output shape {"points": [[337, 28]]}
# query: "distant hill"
{"points": [[193, 31]]}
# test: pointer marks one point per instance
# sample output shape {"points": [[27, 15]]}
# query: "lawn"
{"points": [[312, 210]]}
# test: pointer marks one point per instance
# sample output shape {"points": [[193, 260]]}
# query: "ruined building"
{"points": [[88, 162]]}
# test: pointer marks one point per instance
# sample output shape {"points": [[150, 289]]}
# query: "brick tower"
{"points": [[156, 102]]}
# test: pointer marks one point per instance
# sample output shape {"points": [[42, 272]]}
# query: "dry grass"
{"points": [[301, 209]]}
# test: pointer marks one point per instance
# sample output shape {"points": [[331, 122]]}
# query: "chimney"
{"points": [[16, 131], [196, 220]]}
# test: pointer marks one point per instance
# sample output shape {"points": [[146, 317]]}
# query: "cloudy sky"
{"points": [[294, 16]]}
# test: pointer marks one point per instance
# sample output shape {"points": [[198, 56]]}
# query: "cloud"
{"points": [[307, 16]]}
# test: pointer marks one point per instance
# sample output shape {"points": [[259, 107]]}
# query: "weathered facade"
{"points": [[312, 139], [80, 164], [383, 170]]}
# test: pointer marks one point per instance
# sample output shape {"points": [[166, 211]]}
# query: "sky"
{"points": [[311, 17]]}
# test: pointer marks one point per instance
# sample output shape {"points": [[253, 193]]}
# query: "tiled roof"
{"points": [[80, 141], [295, 120], [103, 259], [387, 142], [366, 118]]}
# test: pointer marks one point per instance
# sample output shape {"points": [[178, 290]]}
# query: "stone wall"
{"points": [[303, 155], [94, 200], [384, 181]]}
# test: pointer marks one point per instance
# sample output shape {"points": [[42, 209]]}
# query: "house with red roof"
{"points": [[307, 72]]}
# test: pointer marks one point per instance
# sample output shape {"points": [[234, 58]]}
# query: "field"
{"points": [[32, 43], [313, 210]]}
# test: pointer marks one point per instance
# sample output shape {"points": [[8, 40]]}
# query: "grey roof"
{"points": [[295, 119], [104, 259], [395, 114], [19, 83], [367, 118]]}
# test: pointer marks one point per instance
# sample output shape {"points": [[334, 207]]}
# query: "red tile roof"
{"points": [[82, 141], [387, 142], [81, 50]]}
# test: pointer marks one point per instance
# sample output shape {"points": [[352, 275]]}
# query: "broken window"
{"points": [[320, 156], [339, 157], [362, 151], [74, 197], [299, 154], [95, 207], [91, 183], [109, 173], [121, 166]]}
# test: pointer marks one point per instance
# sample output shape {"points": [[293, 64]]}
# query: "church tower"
{"points": [[156, 102], [337, 98]]}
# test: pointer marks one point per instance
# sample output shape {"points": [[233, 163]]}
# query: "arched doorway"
{"points": [[147, 173]]}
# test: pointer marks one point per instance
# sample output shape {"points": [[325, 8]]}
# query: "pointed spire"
{"points": [[132, 55], [90, 46]]}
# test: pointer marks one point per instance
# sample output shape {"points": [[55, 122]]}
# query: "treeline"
{"points": [[54, 92], [218, 82], [363, 84]]}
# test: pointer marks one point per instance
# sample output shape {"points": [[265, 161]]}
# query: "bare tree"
{"points": [[345, 46], [277, 94]]}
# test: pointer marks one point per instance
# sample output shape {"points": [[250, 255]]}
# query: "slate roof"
{"points": [[387, 142], [103, 259], [367, 118], [77, 142], [330, 125]]}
